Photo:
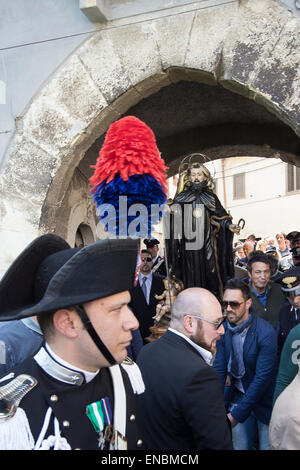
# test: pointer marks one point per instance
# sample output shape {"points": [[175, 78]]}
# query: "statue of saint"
{"points": [[173, 287], [199, 243], [162, 318]]}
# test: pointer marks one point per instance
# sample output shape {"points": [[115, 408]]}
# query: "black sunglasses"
{"points": [[232, 303], [216, 323], [147, 259]]}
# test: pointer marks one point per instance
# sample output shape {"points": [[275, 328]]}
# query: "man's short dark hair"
{"points": [[257, 257], [273, 262], [238, 284], [146, 251], [45, 322]]}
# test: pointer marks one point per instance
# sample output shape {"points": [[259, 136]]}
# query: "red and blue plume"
{"points": [[129, 184]]}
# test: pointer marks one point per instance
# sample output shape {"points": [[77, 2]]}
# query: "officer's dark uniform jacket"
{"points": [[67, 394], [159, 266]]}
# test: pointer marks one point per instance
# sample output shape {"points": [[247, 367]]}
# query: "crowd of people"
{"points": [[223, 376], [278, 248], [253, 353]]}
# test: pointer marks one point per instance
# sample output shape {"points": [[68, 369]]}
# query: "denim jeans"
{"points": [[243, 434]]}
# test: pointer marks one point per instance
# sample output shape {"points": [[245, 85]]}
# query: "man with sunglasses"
{"points": [[246, 361], [158, 262], [143, 302], [289, 315], [182, 407]]}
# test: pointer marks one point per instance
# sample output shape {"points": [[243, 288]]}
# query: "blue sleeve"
{"points": [[7, 358], [220, 363]]}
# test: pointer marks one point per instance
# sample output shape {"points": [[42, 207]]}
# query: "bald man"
{"points": [[182, 407]]}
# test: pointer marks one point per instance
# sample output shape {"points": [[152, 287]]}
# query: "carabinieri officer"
{"points": [[79, 390]]}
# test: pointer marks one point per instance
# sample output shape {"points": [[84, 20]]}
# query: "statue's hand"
{"points": [[235, 228]]}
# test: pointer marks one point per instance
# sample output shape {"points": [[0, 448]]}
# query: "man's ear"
{"points": [[249, 303], [188, 324], [67, 322]]}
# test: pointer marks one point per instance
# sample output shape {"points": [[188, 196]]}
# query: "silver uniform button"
{"points": [[54, 398], [66, 423], [132, 418], [139, 443]]}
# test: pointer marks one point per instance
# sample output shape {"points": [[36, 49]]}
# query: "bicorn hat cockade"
{"points": [[290, 281]]}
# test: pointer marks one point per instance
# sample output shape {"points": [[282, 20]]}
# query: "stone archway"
{"points": [[248, 48]]}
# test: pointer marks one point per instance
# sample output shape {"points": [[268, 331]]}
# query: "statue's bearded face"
{"points": [[196, 175]]}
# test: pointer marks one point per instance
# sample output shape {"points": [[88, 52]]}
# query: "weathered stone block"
{"points": [[137, 48], [209, 30], [28, 172], [100, 56], [260, 58], [153, 84], [50, 127], [172, 35], [75, 91]]}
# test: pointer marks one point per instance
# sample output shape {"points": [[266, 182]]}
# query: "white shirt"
{"points": [[207, 355], [148, 283]]}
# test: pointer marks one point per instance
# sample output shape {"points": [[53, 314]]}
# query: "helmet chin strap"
{"points": [[95, 337]]}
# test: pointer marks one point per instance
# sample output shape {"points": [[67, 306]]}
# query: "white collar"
{"points": [[207, 355], [148, 276], [87, 375]]}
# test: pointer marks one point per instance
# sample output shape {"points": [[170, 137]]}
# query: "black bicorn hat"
{"points": [[296, 252], [270, 249], [151, 242], [293, 236], [49, 275], [290, 281]]}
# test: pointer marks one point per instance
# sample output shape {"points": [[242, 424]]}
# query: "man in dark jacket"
{"points": [[267, 297], [158, 262], [289, 315], [248, 352], [143, 302], [182, 406]]}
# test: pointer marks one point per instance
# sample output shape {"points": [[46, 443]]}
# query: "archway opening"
{"points": [[189, 117]]}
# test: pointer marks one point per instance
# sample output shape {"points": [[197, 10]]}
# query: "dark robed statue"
{"points": [[199, 242]]}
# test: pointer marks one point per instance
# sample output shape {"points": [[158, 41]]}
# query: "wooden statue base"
{"points": [[156, 332]]}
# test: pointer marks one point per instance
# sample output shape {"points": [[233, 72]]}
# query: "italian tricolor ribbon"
{"points": [[100, 414]]}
